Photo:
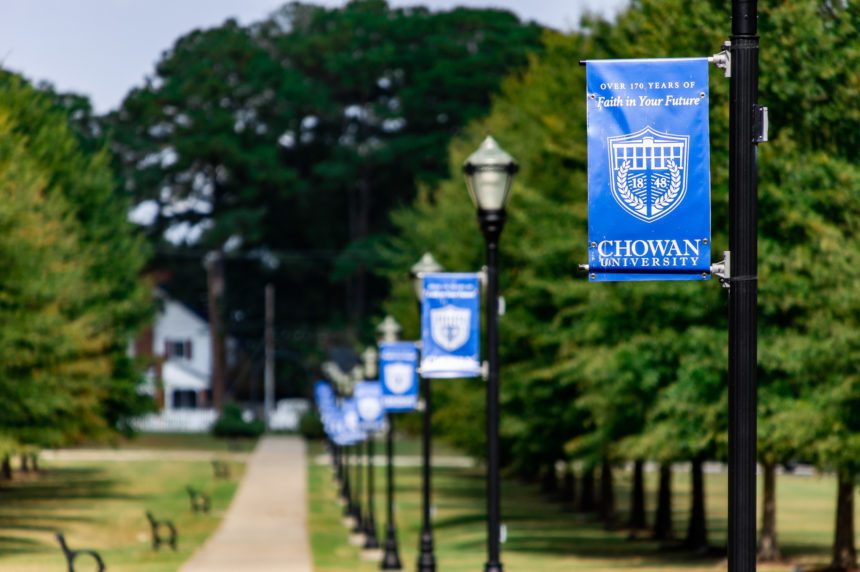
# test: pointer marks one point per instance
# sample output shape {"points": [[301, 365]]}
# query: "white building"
{"points": [[179, 346]]}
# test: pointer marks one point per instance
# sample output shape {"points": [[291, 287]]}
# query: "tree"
{"points": [[73, 294], [293, 138], [593, 346]]}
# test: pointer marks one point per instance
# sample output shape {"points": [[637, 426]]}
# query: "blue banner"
{"points": [[398, 364], [368, 399], [649, 203], [326, 402], [450, 334], [349, 426]]}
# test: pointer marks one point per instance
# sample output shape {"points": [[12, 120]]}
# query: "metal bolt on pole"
{"points": [[743, 293]]}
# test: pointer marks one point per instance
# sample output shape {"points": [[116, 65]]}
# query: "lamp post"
{"points": [[358, 527], [389, 331], [426, 558], [743, 294], [371, 542], [489, 173]]}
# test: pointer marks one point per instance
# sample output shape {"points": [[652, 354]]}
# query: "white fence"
{"points": [[287, 414], [284, 418], [177, 421]]}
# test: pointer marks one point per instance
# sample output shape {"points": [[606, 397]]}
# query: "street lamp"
{"points": [[489, 173], [371, 542], [426, 559], [389, 331], [359, 528]]}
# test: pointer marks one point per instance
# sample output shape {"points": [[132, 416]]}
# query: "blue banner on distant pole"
{"points": [[368, 400], [398, 362], [327, 405], [350, 423], [450, 334], [649, 187]]}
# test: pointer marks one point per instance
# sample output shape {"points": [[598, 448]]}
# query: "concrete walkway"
{"points": [[265, 528]]}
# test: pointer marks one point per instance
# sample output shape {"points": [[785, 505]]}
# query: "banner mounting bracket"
{"points": [[723, 59], [723, 269]]}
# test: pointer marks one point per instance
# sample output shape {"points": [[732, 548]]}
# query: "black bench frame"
{"points": [[71, 555], [221, 469], [157, 526], [200, 502]]}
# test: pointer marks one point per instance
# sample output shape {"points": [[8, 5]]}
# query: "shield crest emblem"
{"points": [[369, 408], [450, 326], [398, 377], [648, 172]]}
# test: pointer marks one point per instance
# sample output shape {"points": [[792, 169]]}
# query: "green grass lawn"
{"points": [[101, 506], [542, 537], [174, 441]]}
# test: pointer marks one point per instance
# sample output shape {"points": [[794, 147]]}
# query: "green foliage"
{"points": [[231, 424], [310, 425], [639, 370], [70, 294], [296, 137]]}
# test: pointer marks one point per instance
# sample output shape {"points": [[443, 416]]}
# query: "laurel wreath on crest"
{"points": [[674, 187], [638, 204], [626, 195]]}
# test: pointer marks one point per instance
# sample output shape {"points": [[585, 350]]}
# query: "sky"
{"points": [[103, 48]]}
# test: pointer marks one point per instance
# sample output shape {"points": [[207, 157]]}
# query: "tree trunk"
{"points": [[6, 468], [568, 486], [663, 520], [586, 497], [768, 548], [25, 464], [34, 462], [607, 495], [844, 550], [637, 498], [697, 532], [549, 480]]}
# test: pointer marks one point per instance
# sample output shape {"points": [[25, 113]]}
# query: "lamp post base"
{"points": [[391, 557], [426, 559], [358, 527], [493, 567], [370, 540]]}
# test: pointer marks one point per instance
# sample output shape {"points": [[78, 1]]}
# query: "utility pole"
{"points": [[214, 263], [269, 380], [745, 117]]}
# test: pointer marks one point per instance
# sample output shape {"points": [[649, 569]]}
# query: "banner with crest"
{"points": [[649, 186], [368, 402], [450, 334], [346, 429], [398, 364]]}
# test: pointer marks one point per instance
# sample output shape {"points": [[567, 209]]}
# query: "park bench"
{"points": [[72, 554], [221, 469], [158, 527], [200, 502]]}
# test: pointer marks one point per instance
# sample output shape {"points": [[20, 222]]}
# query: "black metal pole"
{"points": [[358, 527], [345, 491], [391, 557], [492, 223], [370, 539], [743, 294], [426, 557]]}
